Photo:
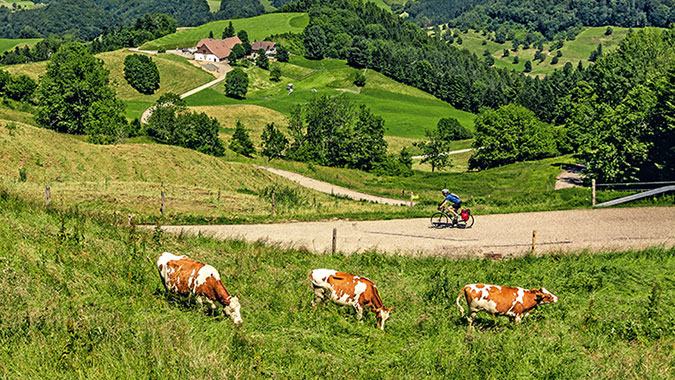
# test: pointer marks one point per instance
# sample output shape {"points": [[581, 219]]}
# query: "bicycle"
{"points": [[442, 219]]}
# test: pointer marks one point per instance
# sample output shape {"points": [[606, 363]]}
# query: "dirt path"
{"points": [[446, 153], [329, 188], [570, 177], [499, 235]]}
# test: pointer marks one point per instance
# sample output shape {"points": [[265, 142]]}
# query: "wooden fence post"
{"points": [[334, 247], [273, 203], [593, 191], [163, 201], [534, 241], [48, 195]]}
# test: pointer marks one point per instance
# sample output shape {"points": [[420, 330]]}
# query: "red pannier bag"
{"points": [[465, 214]]}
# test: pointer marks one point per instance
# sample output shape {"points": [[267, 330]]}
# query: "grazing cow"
{"points": [[502, 300], [187, 277], [349, 290]]}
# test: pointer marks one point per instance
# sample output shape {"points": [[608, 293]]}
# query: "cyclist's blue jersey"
{"points": [[454, 198]]}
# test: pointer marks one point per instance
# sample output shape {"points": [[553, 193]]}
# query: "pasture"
{"points": [[406, 110], [82, 298], [7, 44], [258, 28], [573, 51]]}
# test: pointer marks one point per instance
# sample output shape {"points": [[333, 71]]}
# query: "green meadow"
{"points": [[80, 297], [258, 28], [7, 44], [573, 51], [407, 111]]}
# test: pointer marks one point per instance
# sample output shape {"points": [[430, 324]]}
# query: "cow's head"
{"points": [[544, 296], [232, 310], [382, 316]]}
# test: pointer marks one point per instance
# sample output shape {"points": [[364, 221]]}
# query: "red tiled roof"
{"points": [[265, 45], [219, 48]]}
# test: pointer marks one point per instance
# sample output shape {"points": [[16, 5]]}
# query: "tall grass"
{"points": [[80, 298]]}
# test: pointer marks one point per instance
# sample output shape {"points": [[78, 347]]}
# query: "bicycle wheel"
{"points": [[461, 223], [439, 219]]}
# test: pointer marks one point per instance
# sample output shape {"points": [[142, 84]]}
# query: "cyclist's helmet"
{"points": [[445, 191]]}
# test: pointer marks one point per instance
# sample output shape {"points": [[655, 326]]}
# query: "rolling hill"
{"points": [[257, 28], [9, 44]]}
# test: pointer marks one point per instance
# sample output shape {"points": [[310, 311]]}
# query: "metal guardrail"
{"points": [[633, 197]]}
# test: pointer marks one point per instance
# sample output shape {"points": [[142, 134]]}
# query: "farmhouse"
{"points": [[268, 46], [213, 50]]}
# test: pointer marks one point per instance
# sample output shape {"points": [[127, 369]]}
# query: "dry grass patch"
{"points": [[253, 117]]}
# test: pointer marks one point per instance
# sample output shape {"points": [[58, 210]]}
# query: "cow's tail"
{"points": [[461, 309]]}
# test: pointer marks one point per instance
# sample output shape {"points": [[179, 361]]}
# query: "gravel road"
{"points": [[500, 235]]}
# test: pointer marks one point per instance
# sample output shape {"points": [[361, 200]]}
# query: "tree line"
{"points": [[86, 19], [552, 19]]}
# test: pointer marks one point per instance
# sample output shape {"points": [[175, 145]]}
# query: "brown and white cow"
{"points": [[186, 277], [348, 290], [503, 300]]}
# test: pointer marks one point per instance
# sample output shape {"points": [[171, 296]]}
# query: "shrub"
{"points": [[236, 84], [141, 73]]}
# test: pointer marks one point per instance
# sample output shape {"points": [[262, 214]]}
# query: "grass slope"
{"points": [[257, 28], [407, 111], [123, 179], [572, 51], [7, 44], [82, 299]]}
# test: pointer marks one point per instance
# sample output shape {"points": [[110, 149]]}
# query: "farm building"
{"points": [[213, 50], [268, 46]]}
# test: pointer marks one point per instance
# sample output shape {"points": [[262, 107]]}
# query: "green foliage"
{"points": [[228, 31], [510, 134], [359, 79], [288, 198], [274, 142], [528, 66], [275, 73], [106, 123], [282, 54], [238, 52], [333, 131], [261, 60], [239, 9], [141, 73], [74, 81], [246, 43], [241, 142], [434, 149], [146, 28], [20, 88], [171, 123], [395, 164], [236, 83], [450, 130], [609, 31]]}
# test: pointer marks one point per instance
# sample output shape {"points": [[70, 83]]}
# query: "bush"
{"points": [[20, 88], [241, 142], [450, 129], [359, 79], [141, 73], [236, 84]]}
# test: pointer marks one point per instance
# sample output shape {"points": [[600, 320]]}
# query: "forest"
{"points": [[553, 19]]}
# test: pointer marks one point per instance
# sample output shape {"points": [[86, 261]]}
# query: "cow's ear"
{"points": [[391, 308], [534, 290]]}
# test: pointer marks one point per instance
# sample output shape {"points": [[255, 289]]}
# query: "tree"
{"points": [[245, 42], [238, 52], [505, 53], [608, 31], [315, 41], [359, 79], [210, 33], [662, 137], [5, 78], [273, 142], [282, 54], [515, 60], [73, 82], [261, 60], [228, 31], [450, 130], [554, 60], [20, 88], [275, 73], [528, 66], [106, 123], [510, 134], [434, 149], [236, 84], [241, 143], [141, 73]]}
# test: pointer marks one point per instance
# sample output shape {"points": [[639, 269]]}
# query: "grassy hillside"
{"points": [[20, 4], [573, 51], [82, 299], [407, 111], [9, 44], [177, 75], [257, 28], [123, 179]]}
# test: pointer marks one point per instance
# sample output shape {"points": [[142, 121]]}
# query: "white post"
{"points": [[593, 191]]}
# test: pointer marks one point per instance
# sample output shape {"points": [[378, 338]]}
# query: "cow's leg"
{"points": [[359, 311], [470, 317], [212, 306], [517, 318], [199, 301], [318, 295]]}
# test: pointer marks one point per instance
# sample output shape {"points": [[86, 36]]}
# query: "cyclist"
{"points": [[456, 204]]}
